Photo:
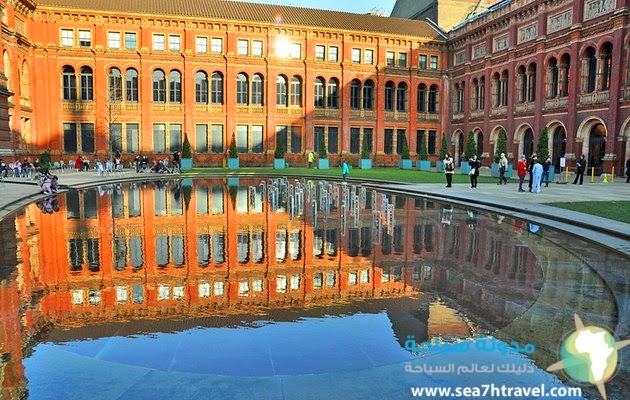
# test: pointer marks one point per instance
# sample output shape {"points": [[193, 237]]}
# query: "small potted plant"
{"points": [[405, 158], [365, 162], [439, 165], [322, 162], [423, 163], [278, 156], [232, 162], [186, 160]]}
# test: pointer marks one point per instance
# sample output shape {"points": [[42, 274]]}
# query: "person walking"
{"points": [[449, 169], [344, 169], [579, 172], [545, 176], [311, 159], [521, 170], [474, 164], [537, 172], [503, 166]]}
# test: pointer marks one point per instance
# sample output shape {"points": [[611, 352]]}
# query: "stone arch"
{"points": [[592, 134], [624, 132], [494, 135], [458, 143], [520, 134]]}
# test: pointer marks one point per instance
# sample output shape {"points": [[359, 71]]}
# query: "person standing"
{"points": [[177, 162], [503, 166], [628, 170], [537, 172], [344, 169], [530, 168], [449, 169], [474, 164], [579, 172], [545, 176], [521, 170]]}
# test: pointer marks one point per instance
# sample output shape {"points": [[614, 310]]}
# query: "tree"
{"points": [[404, 154], [444, 147], [279, 153], [186, 150], [233, 151], [322, 148], [471, 146], [365, 148], [424, 154], [543, 145], [501, 145]]}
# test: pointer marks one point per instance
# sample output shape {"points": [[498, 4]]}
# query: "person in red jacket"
{"points": [[521, 168]]}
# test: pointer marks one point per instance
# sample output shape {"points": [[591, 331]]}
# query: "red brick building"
{"points": [[95, 77]]}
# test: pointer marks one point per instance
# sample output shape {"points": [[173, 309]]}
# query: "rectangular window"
{"points": [[402, 60], [356, 55], [333, 53], [281, 136], [368, 57], [422, 61], [158, 42], [113, 40], [257, 139], [401, 136], [243, 47], [432, 147], [67, 37], [85, 38], [257, 48], [320, 52], [115, 137], [318, 132], [70, 137], [355, 135], [217, 139], [201, 138], [174, 43], [201, 44], [133, 138], [175, 137], [296, 139], [159, 138], [434, 62], [419, 139], [131, 41], [296, 50], [216, 45], [242, 138], [87, 138], [389, 58], [368, 134], [388, 145], [333, 140]]}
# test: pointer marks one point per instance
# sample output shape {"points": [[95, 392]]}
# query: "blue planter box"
{"points": [[494, 170], [439, 166], [186, 164], [323, 163], [423, 165], [365, 163], [406, 164], [232, 163], [233, 182], [465, 168], [278, 163]]}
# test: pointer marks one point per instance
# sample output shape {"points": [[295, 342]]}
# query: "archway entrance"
{"points": [[528, 143], [597, 148], [559, 148]]}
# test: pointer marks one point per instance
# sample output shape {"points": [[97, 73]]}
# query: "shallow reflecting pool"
{"points": [[293, 289]]}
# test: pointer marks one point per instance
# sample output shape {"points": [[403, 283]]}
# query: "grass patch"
{"points": [[615, 210]]}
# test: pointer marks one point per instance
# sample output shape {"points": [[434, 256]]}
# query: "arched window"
{"points": [[606, 56], [25, 91], [216, 88], [318, 93], [479, 144], [201, 88], [368, 95], [401, 97], [389, 96], [589, 68], [296, 91], [433, 99], [242, 91], [504, 88], [281, 91], [521, 79], [553, 78], [496, 90], [115, 85], [482, 93], [87, 84], [131, 85], [69, 84], [175, 87], [332, 94], [565, 72], [531, 82], [159, 86], [474, 93], [559, 147], [422, 98], [257, 90], [355, 94], [597, 148], [528, 143]]}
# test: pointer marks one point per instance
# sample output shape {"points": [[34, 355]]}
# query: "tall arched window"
{"points": [[422, 98], [482, 93], [496, 89], [559, 147], [257, 90], [504, 88], [389, 96], [589, 70], [401, 97], [332, 94], [318, 93], [521, 80], [69, 84], [159, 86], [87, 84], [201, 88], [115, 85], [368, 95], [479, 144], [216, 88], [433, 100], [528, 143], [474, 94], [565, 72], [175, 87], [296, 91], [597, 148], [355, 94], [553, 76], [281, 91], [606, 56], [131, 85], [531, 82], [242, 90]]}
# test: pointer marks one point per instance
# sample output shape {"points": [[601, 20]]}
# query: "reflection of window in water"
{"points": [[205, 290], [177, 207], [400, 201], [118, 204], [352, 278], [73, 210], [203, 249], [121, 295], [137, 294], [385, 275], [257, 203], [318, 243], [331, 279], [161, 251], [397, 272], [295, 282], [178, 292], [177, 243], [257, 285], [242, 200], [399, 239], [416, 273], [366, 241], [201, 196], [494, 255], [242, 247], [428, 237], [386, 243], [160, 202], [281, 284], [75, 252], [133, 197], [517, 269], [427, 273], [417, 238], [77, 297], [218, 247], [243, 288], [281, 245], [331, 242], [257, 247], [453, 235], [164, 292], [95, 297], [90, 206], [135, 252], [217, 200], [120, 253], [93, 255], [472, 250], [365, 276], [294, 244], [353, 242], [318, 280], [219, 288]]}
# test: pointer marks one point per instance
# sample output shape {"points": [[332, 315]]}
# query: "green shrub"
{"points": [[365, 148], [424, 154], [322, 148], [543, 146], [233, 151], [404, 154], [444, 147], [186, 150], [471, 147], [501, 145], [279, 153]]}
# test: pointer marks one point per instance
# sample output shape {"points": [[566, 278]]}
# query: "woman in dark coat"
{"points": [[474, 164]]}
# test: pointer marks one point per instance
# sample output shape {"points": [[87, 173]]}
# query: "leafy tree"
{"points": [[501, 145], [424, 154], [323, 154], [404, 154], [443, 147], [233, 151], [471, 146], [543, 145], [365, 148], [186, 150], [279, 153]]}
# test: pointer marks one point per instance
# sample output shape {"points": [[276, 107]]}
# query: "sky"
{"points": [[353, 6]]}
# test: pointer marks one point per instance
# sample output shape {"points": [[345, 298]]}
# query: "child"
{"points": [[47, 186]]}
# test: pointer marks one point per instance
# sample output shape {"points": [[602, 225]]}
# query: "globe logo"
{"points": [[589, 355]]}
